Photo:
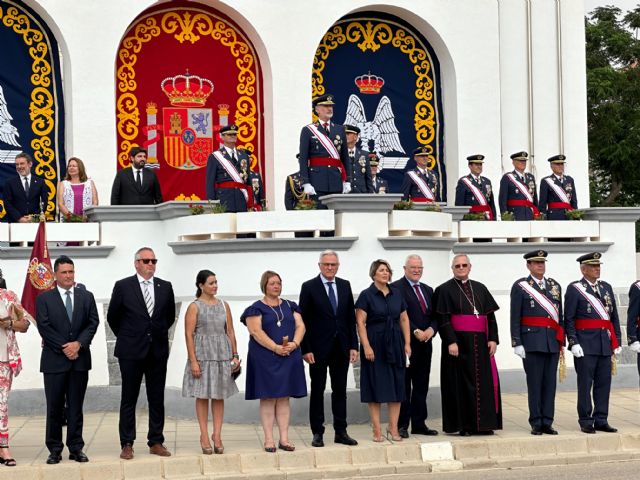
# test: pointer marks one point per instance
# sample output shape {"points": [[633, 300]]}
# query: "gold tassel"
{"points": [[562, 367], [614, 365]]}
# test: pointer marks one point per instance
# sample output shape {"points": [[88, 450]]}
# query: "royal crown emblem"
{"points": [[187, 90], [369, 84], [40, 275]]}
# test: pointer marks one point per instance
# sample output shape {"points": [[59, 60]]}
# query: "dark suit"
{"points": [[541, 347], [410, 190], [594, 369], [465, 197], [380, 185], [360, 172], [16, 202], [325, 180], [414, 405], [548, 195], [142, 348], [232, 198], [633, 315], [125, 189], [64, 377], [329, 337], [510, 193]]}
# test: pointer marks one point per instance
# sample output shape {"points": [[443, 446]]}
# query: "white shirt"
{"points": [[135, 174], [28, 178], [541, 282], [142, 287], [326, 287], [63, 294], [413, 285], [231, 151]]}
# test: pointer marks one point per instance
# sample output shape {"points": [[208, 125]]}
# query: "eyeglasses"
{"points": [[147, 261], [461, 265], [330, 265]]}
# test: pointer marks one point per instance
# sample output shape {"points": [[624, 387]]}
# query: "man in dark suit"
{"points": [[141, 311], [136, 185], [330, 343], [518, 193], [67, 319], [475, 191], [557, 191], [537, 336], [420, 184], [25, 194], [593, 330], [423, 327], [359, 159], [379, 184]]}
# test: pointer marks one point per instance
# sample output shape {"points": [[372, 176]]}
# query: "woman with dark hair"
{"points": [[383, 327], [77, 191], [274, 364], [213, 358]]}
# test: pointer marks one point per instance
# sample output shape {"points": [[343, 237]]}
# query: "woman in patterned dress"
{"points": [[213, 357], [13, 318], [76, 192]]}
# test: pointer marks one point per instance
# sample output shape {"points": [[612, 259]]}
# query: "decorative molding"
{"points": [[100, 251], [418, 243], [262, 245], [361, 202], [524, 247], [613, 214]]}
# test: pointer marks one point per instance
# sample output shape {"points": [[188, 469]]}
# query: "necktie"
{"points": [[147, 297], [139, 178], [541, 283], [326, 126], [26, 186], [332, 298], [233, 155], [68, 305], [423, 304]]}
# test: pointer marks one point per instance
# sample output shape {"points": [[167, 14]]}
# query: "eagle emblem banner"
{"points": [[385, 78], [183, 71], [31, 98]]}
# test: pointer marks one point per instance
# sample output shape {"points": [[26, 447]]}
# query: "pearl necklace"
{"points": [[279, 318]]}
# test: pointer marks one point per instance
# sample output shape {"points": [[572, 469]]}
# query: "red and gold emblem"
{"points": [[40, 274]]}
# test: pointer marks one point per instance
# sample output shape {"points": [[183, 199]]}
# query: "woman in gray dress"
{"points": [[213, 356]]}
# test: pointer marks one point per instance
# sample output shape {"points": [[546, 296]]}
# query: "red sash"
{"points": [[421, 200], [544, 322], [481, 209], [596, 323], [556, 205], [524, 203], [241, 186], [329, 162]]}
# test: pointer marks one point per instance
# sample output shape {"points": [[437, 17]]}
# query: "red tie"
{"points": [[423, 304], [326, 127]]}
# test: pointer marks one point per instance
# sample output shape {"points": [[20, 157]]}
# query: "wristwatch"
{"points": [[416, 331]]}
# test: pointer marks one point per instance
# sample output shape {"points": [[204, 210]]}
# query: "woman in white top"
{"points": [[76, 192]]}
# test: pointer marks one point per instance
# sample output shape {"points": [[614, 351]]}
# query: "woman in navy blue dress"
{"points": [[383, 327], [274, 364]]}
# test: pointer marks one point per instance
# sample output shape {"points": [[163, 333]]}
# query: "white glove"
{"points": [[308, 189], [617, 350], [576, 350], [635, 346], [346, 187], [519, 350]]}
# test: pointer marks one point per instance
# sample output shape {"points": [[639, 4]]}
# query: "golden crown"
{"points": [[187, 90], [369, 84]]}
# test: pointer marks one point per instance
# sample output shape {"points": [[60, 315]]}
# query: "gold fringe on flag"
{"points": [[562, 367], [614, 365]]}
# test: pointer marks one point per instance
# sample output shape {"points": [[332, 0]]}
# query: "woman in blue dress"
{"points": [[383, 327], [274, 364]]}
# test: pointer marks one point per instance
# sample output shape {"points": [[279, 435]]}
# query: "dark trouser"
{"points": [[594, 371], [71, 385], [540, 368], [414, 406], [338, 364], [155, 373]]}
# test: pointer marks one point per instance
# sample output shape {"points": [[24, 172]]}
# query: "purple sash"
{"points": [[478, 324]]}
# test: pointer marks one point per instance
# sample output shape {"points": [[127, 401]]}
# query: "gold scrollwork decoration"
{"points": [[372, 36], [41, 106], [186, 25]]}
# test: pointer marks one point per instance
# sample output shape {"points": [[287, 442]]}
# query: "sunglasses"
{"points": [[147, 261], [461, 265]]}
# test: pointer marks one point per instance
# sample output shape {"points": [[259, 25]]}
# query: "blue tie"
{"points": [[332, 298], [68, 305]]}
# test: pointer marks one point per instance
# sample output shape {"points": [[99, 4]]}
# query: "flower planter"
{"points": [[484, 229], [265, 224], [56, 232], [565, 229], [205, 227], [414, 222]]}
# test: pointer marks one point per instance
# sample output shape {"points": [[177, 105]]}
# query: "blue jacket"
{"points": [[633, 312], [508, 191], [464, 196], [548, 195], [231, 198]]}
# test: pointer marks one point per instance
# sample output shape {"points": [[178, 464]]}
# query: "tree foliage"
{"points": [[613, 97]]}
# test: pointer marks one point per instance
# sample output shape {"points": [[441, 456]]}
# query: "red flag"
{"points": [[39, 274]]}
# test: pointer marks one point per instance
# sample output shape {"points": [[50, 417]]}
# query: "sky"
{"points": [[624, 5]]}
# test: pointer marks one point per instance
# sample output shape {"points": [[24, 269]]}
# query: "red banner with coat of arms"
{"points": [[183, 71]]}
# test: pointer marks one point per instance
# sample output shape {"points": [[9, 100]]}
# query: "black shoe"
{"points": [[317, 440], [549, 430], [605, 428], [403, 432], [536, 431], [588, 429], [423, 430], [486, 432], [464, 433], [78, 456], [344, 439], [54, 458]]}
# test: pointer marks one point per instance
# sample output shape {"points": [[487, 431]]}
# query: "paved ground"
{"points": [[244, 441]]}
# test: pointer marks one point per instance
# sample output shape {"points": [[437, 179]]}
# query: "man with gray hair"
{"points": [[468, 375], [330, 343], [424, 326]]}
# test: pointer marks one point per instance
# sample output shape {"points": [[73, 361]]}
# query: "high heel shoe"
{"points": [[206, 449], [395, 438], [218, 450], [377, 436]]}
